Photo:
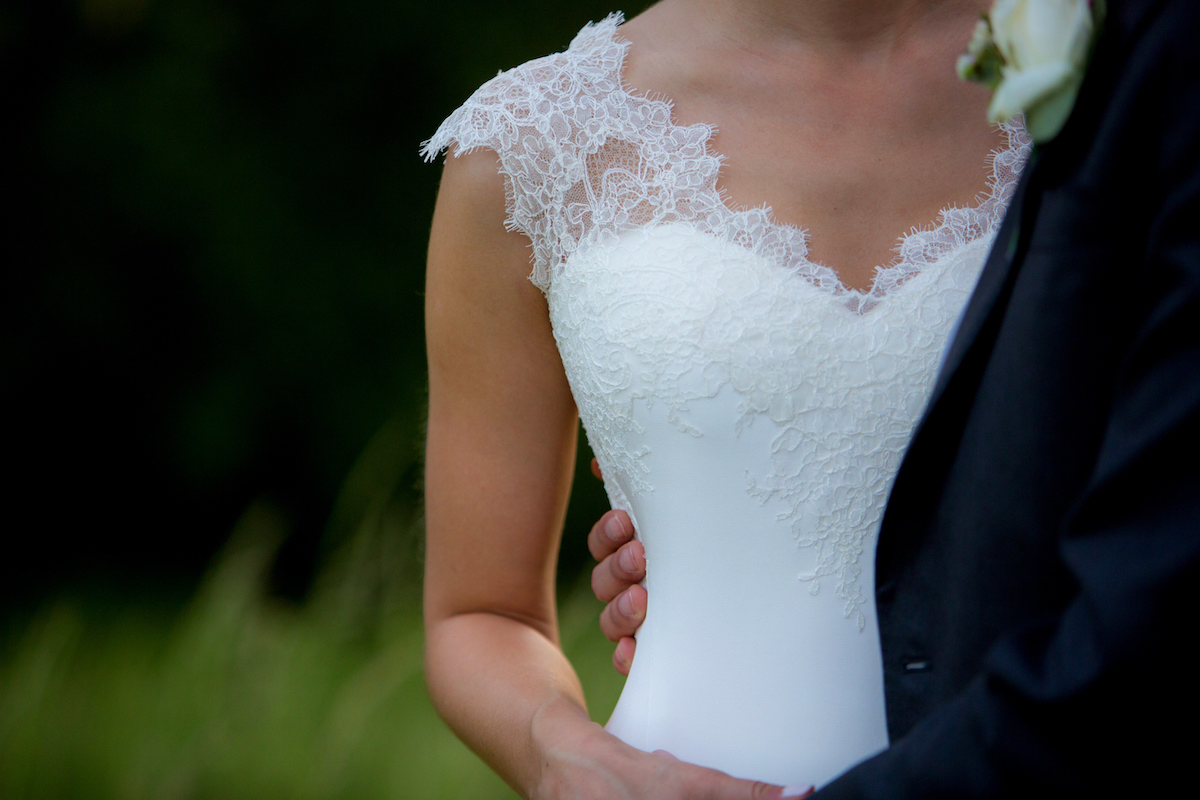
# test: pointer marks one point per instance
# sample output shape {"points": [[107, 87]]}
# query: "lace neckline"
{"points": [[586, 158], [957, 226]]}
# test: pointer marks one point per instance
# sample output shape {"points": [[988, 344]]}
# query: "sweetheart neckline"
{"points": [[587, 251]]}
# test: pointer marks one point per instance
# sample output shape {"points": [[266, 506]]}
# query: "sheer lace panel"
{"points": [[585, 158], [663, 296]]}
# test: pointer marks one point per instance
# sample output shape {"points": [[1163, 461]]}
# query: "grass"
{"points": [[243, 696]]}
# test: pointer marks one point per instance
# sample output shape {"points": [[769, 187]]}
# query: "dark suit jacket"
{"points": [[1038, 575]]}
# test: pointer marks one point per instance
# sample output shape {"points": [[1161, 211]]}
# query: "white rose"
{"points": [[1045, 48]]}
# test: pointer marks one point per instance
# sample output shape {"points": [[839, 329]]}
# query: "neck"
{"points": [[833, 25]]}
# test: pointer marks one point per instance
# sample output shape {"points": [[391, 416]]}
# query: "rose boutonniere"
{"points": [[1032, 53]]}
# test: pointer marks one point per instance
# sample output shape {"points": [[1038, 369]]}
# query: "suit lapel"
{"points": [[981, 316], [994, 286], [932, 451]]}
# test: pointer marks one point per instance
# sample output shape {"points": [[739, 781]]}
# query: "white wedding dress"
{"points": [[748, 411]]}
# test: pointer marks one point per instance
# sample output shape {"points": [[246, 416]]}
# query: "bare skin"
{"points": [[843, 115], [500, 453]]}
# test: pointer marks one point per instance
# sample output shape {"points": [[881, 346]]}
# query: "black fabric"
{"points": [[1038, 568]]}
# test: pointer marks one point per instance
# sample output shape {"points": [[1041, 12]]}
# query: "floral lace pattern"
{"points": [[584, 158], [659, 292], [672, 316]]}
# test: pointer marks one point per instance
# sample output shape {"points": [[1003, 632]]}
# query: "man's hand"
{"points": [[615, 581]]}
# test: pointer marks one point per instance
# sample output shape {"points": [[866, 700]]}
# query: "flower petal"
{"points": [[1021, 89], [1031, 33], [1053, 29], [1045, 120], [1004, 16]]}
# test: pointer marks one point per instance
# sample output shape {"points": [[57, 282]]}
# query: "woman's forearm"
{"points": [[505, 689]]}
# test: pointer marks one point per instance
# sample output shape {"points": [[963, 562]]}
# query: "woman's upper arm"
{"points": [[500, 448]]}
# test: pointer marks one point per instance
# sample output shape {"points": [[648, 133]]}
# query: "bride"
{"points": [[674, 230]]}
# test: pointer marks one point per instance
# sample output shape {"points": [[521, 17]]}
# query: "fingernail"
{"points": [[628, 562], [625, 605], [613, 529], [796, 791]]}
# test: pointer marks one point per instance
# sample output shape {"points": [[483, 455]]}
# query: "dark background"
{"points": [[213, 253]]}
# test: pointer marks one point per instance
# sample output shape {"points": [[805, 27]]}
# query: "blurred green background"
{"points": [[214, 380]]}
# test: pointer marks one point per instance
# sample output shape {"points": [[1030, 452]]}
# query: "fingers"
{"points": [[737, 789], [610, 532], [596, 469], [752, 790], [728, 788], [615, 582], [623, 655], [619, 571], [712, 784], [622, 616]]}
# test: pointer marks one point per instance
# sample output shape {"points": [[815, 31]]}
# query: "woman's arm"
{"points": [[500, 457], [500, 454]]}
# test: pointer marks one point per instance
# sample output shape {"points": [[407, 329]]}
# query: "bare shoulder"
{"points": [[474, 261], [659, 26], [663, 44]]}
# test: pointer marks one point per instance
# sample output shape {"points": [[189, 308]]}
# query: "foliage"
{"points": [[242, 696], [216, 263], [246, 695], [216, 257]]}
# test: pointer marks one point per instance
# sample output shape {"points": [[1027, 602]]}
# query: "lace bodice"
{"points": [[585, 158], [587, 161], [748, 410]]}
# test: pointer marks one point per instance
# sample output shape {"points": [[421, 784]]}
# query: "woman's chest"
{"points": [[674, 314]]}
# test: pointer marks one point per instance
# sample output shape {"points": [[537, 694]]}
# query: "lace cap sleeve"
{"points": [[535, 118], [488, 118]]}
